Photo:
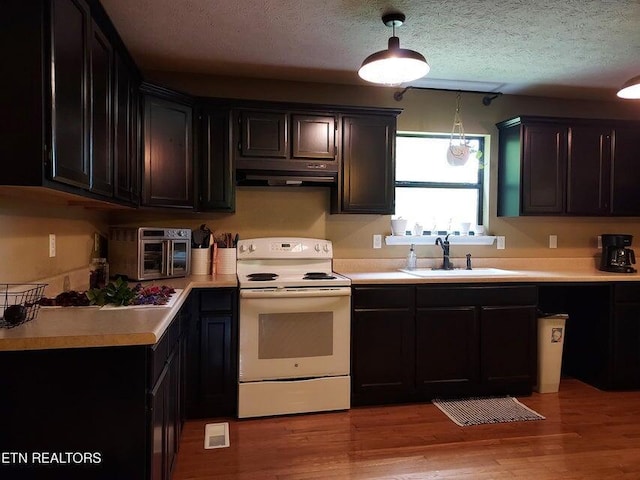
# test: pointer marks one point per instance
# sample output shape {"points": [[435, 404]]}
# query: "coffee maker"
{"points": [[616, 256]]}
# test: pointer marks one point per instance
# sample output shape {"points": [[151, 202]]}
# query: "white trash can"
{"points": [[551, 331]]}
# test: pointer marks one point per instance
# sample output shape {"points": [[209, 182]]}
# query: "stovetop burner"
{"points": [[317, 276], [262, 277]]}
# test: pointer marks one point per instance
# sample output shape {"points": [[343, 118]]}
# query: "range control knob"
{"points": [[317, 247], [243, 248], [325, 247], [252, 248]]}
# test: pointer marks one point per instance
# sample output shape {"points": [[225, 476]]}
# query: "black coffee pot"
{"points": [[616, 256]]}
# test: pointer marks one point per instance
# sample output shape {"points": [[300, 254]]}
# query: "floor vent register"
{"points": [[216, 435]]}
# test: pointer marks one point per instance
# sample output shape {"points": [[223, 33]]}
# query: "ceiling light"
{"points": [[395, 65], [630, 89]]}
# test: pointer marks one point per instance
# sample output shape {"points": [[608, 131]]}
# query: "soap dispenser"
{"points": [[412, 259]]}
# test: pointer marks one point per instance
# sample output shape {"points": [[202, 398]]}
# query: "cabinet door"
{"points": [[264, 134], [157, 444], [447, 350], [313, 136], [382, 367], [382, 344], [217, 189], [589, 170], [126, 159], [172, 416], [543, 169], [626, 174], [508, 346], [168, 172], [368, 165], [70, 116], [218, 378], [101, 123]]}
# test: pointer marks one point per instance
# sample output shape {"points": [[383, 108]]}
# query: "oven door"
{"points": [[179, 257], [153, 259], [294, 333]]}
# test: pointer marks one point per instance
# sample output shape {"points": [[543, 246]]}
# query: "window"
{"points": [[433, 193]]}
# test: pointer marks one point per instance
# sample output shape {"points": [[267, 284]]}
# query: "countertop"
{"points": [[514, 276], [76, 327], [521, 270]]}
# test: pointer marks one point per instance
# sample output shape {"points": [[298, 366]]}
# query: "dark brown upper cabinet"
{"points": [[286, 142], [168, 151], [58, 127], [589, 169], [101, 61], [367, 180], [566, 166], [70, 92], [264, 134], [314, 136], [126, 130], [215, 177]]}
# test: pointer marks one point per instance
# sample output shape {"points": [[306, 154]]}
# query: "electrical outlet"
{"points": [[600, 242], [553, 241], [377, 241], [500, 243], [96, 242], [52, 245]]}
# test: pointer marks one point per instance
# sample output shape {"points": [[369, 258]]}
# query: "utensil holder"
{"points": [[226, 261], [200, 261]]}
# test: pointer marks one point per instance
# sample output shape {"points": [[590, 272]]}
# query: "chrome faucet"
{"points": [[446, 262]]}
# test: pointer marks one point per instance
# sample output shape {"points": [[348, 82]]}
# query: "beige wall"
{"points": [[260, 211], [27, 219]]}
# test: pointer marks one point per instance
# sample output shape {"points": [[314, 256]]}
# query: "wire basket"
{"points": [[19, 302]]}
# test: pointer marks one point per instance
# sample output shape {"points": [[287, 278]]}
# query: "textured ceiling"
{"points": [[566, 48]]}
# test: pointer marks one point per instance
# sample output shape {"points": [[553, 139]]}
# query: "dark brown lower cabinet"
{"points": [[508, 348], [382, 344], [119, 407], [415, 343], [602, 339], [446, 350], [166, 360], [212, 354]]}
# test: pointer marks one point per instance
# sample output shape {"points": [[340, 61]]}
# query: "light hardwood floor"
{"points": [[587, 434]]}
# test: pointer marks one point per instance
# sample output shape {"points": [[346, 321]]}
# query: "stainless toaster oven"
{"points": [[147, 253]]}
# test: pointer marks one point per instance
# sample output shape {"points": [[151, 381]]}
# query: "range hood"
{"points": [[285, 178]]}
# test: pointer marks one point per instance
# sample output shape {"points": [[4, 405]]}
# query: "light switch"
{"points": [[553, 241], [500, 243], [377, 241]]}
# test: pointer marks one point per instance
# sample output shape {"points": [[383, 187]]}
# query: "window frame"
{"points": [[479, 186]]}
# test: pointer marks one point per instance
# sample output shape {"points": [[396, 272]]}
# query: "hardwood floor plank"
{"points": [[588, 434]]}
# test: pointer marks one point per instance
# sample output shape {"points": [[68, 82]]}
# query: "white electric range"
{"points": [[294, 323]]}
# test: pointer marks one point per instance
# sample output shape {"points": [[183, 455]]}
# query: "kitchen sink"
{"points": [[459, 272]]}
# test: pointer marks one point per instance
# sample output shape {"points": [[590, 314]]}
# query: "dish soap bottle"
{"points": [[412, 259]]}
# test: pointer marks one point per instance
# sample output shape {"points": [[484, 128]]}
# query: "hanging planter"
{"points": [[459, 150]]}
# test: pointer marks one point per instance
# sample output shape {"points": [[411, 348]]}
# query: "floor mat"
{"points": [[478, 411]]}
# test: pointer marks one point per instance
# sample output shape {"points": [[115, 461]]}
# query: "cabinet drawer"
{"points": [[216, 300], [437, 296], [401, 297], [627, 293]]}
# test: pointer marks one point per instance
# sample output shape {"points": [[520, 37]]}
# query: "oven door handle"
{"points": [[296, 292]]}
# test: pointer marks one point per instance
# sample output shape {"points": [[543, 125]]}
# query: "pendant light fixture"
{"points": [[395, 65], [630, 89]]}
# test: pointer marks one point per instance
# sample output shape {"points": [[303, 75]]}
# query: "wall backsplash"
{"points": [[304, 211]]}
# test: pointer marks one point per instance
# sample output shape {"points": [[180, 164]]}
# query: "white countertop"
{"points": [[76, 327]]}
